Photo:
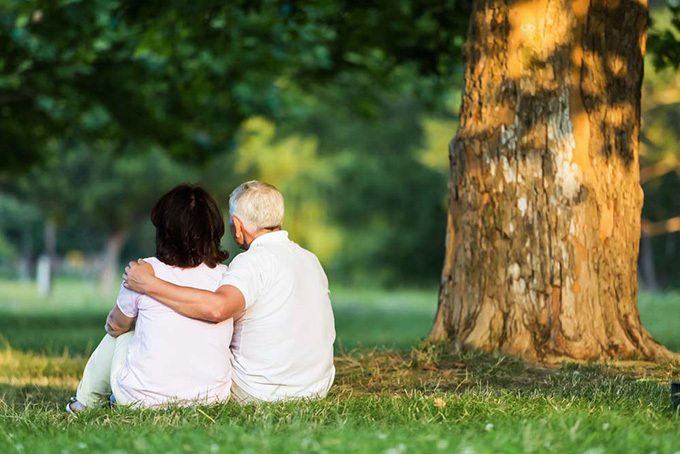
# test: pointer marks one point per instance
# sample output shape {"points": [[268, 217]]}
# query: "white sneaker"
{"points": [[73, 400]]}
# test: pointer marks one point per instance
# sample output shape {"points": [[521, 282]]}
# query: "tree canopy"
{"points": [[664, 41], [184, 75], [347, 106]]}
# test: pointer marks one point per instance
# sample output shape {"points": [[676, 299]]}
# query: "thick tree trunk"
{"points": [[110, 273], [545, 200]]}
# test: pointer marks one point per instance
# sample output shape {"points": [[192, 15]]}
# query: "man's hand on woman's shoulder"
{"points": [[138, 276]]}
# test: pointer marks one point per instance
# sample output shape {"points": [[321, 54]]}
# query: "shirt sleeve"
{"points": [[128, 302], [242, 274]]}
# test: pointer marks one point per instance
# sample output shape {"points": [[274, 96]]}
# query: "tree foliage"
{"points": [[104, 104], [664, 42], [184, 75]]}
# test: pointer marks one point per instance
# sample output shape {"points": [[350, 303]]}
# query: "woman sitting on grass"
{"points": [[170, 359]]}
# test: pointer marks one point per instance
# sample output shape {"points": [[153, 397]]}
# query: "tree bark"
{"points": [[545, 196], [109, 275]]}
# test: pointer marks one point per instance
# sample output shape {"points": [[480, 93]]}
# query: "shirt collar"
{"points": [[279, 235]]}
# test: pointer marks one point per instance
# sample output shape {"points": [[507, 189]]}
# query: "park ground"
{"points": [[393, 393]]}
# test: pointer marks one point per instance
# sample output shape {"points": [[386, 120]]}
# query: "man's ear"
{"points": [[238, 228]]}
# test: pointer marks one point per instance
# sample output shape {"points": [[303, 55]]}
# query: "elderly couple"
{"points": [[260, 330]]}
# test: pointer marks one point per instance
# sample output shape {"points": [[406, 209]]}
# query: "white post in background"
{"points": [[46, 261], [44, 276]]}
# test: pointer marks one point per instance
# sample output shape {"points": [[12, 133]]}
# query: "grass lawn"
{"points": [[392, 394]]}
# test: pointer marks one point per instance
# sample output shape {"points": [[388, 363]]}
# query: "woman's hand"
{"points": [[138, 276]]}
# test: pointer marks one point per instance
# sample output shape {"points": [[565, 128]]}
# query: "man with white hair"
{"points": [[277, 293]]}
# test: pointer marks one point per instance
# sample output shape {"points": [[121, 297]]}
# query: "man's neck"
{"points": [[258, 234]]}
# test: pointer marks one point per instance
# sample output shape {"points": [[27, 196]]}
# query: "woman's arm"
{"points": [[118, 323], [215, 307]]}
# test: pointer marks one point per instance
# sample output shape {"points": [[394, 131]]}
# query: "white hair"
{"points": [[258, 205]]}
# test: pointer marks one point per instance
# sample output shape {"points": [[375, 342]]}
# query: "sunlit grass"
{"points": [[412, 399], [66, 294]]}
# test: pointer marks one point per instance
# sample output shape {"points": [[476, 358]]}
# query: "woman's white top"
{"points": [[172, 358]]}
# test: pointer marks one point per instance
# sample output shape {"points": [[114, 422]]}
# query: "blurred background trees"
{"points": [[347, 106], [660, 152]]}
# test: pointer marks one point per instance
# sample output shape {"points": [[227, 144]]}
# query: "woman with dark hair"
{"points": [[170, 359]]}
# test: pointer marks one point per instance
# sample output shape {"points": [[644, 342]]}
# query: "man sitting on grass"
{"points": [[171, 359], [277, 293]]}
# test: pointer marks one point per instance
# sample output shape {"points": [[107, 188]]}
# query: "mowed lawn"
{"points": [[393, 393]]}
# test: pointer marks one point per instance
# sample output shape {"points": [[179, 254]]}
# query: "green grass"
{"points": [[409, 398], [660, 314], [72, 319]]}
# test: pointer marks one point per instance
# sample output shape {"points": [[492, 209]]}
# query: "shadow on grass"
{"points": [[440, 368], [53, 334], [382, 359], [427, 372], [36, 396]]}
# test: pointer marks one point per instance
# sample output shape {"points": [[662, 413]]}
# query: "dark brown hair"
{"points": [[189, 227]]}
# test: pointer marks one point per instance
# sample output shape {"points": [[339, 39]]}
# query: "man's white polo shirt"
{"points": [[283, 342]]}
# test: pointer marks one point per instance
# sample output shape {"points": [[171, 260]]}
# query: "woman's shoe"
{"points": [[74, 406]]}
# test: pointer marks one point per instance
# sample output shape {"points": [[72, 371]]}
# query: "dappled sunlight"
{"points": [[67, 383], [22, 369], [545, 196], [617, 66]]}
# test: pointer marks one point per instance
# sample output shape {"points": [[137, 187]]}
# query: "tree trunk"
{"points": [[109, 275], [545, 199]]}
